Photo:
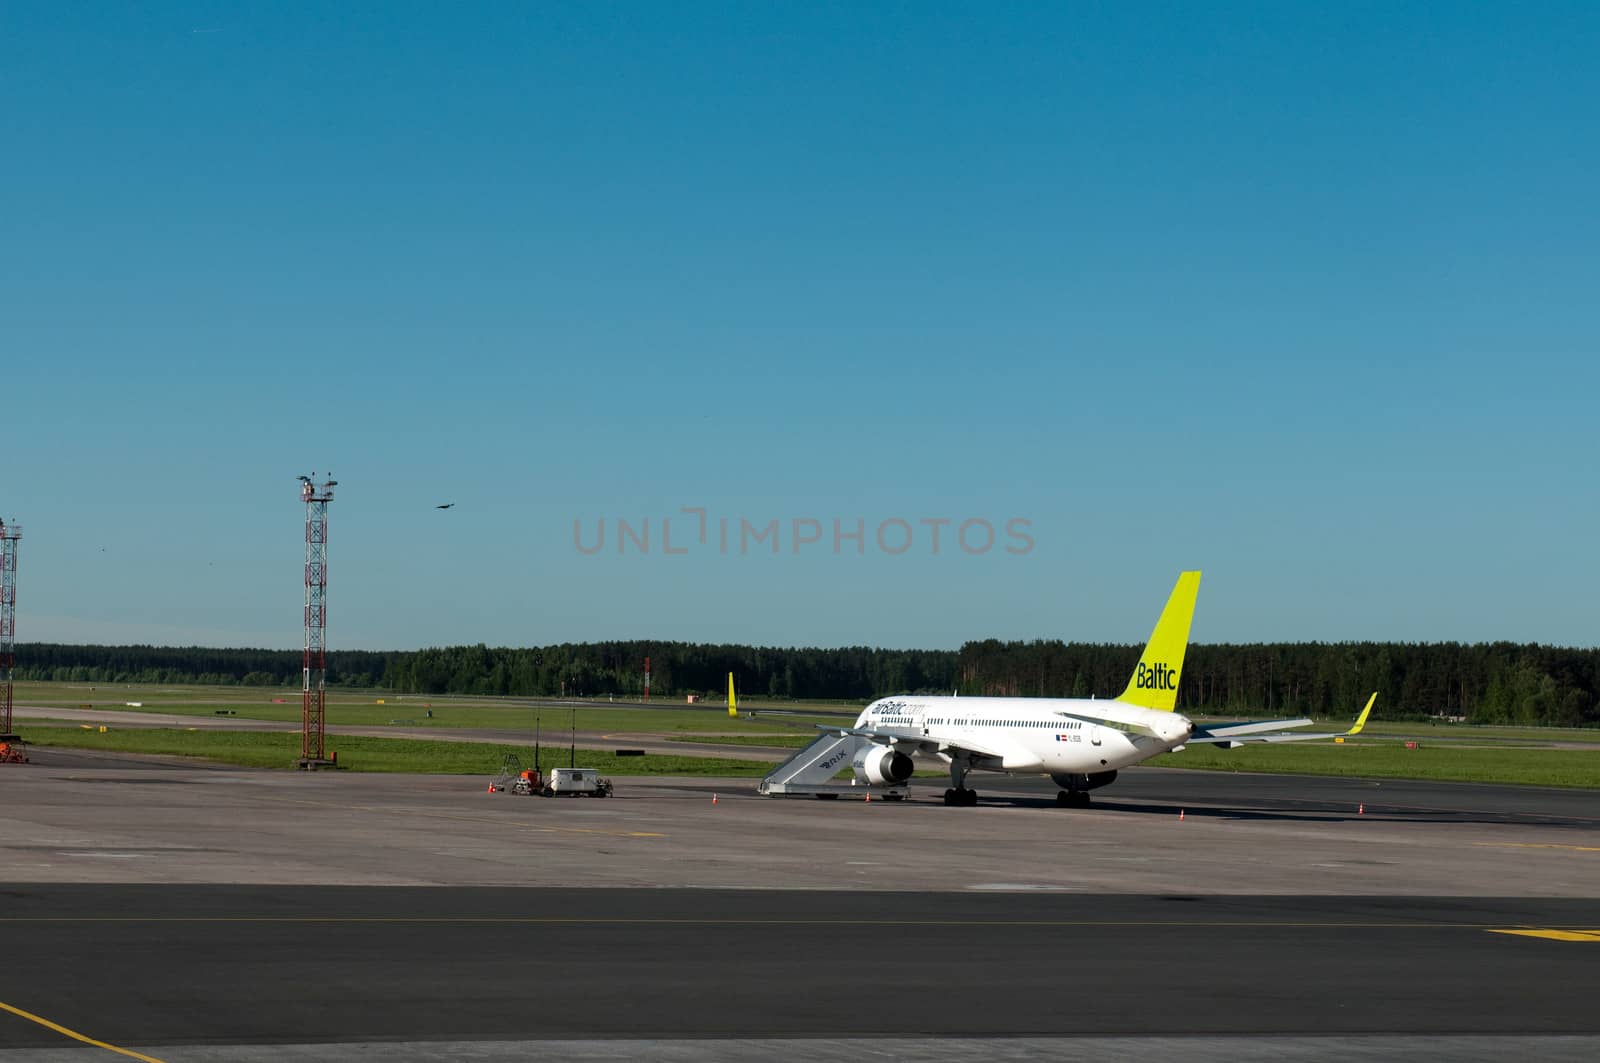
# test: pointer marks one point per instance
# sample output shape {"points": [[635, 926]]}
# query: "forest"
{"points": [[1487, 683]]}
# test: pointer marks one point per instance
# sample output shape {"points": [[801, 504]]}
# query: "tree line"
{"points": [[1488, 683], [68, 663], [1498, 682]]}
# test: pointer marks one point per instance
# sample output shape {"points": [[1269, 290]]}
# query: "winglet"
{"points": [[733, 704], [1361, 721]]}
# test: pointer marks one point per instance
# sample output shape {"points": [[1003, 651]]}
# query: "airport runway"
{"points": [[222, 965], [205, 913]]}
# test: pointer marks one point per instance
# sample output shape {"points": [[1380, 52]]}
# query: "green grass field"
{"points": [[784, 741], [1383, 760], [1447, 752], [1391, 760], [255, 749], [257, 703], [1425, 731]]}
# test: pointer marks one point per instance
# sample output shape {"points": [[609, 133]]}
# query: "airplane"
{"points": [[1080, 743]]}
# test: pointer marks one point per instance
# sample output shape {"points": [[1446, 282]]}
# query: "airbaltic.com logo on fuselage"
{"points": [[1159, 677]]}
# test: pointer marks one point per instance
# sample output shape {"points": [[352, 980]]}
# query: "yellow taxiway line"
{"points": [[1542, 845], [1554, 934], [75, 1035]]}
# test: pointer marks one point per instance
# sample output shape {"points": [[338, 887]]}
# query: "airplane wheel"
{"points": [[949, 797], [1063, 799], [969, 798], [1080, 799]]}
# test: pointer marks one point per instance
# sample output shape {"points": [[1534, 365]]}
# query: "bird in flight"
{"points": [[447, 505]]}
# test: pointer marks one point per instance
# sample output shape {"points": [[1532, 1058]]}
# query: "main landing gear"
{"points": [[958, 795], [1072, 799]]}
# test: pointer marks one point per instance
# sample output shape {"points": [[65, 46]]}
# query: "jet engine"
{"points": [[1082, 782], [881, 765]]}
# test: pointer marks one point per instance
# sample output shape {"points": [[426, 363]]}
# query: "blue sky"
{"points": [[1302, 295]]}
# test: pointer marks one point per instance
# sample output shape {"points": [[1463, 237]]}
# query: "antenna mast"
{"points": [[10, 535], [313, 751]]}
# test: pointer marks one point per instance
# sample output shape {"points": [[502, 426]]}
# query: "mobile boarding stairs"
{"points": [[810, 773]]}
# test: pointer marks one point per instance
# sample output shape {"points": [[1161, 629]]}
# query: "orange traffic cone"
{"points": [[869, 797], [491, 788], [1181, 811], [1361, 809], [713, 798]]}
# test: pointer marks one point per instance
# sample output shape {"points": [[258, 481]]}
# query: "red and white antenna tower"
{"points": [[10, 535], [313, 752], [647, 679]]}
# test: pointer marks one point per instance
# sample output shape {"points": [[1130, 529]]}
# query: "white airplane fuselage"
{"points": [[1032, 735]]}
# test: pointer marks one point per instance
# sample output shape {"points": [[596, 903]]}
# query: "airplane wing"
{"points": [[1116, 725], [1237, 734], [912, 743], [1239, 731]]}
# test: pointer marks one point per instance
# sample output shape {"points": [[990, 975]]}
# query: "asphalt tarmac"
{"points": [[191, 913], [216, 965], [1158, 791]]}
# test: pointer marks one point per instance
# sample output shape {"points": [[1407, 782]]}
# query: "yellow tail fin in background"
{"points": [[1155, 681], [733, 706], [1361, 721]]}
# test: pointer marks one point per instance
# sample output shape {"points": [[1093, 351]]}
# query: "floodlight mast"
{"points": [[313, 749], [10, 536]]}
